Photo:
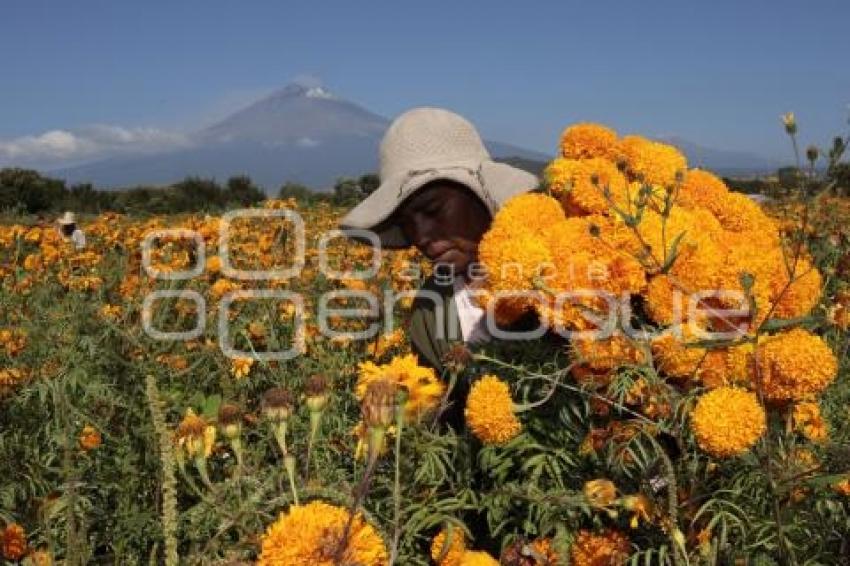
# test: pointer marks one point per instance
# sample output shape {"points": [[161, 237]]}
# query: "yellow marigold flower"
{"points": [[311, 533], [651, 162], [477, 558], [727, 421], [14, 542], [607, 548], [110, 312], [587, 140], [490, 413], [517, 211], [795, 365], [90, 438], [809, 421], [387, 342], [424, 388], [451, 555], [600, 493], [241, 367]]}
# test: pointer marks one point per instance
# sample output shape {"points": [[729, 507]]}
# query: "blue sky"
{"points": [[718, 73]]}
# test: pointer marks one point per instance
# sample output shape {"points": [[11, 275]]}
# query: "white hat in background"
{"points": [[67, 218]]}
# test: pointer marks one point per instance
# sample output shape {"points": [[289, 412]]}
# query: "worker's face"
{"points": [[445, 221]]}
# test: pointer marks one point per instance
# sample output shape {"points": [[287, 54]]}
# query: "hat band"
{"points": [[477, 174]]}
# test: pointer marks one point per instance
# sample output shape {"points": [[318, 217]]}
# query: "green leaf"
{"points": [[674, 252]]}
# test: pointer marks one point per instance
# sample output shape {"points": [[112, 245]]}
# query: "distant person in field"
{"points": [[70, 231], [439, 191]]}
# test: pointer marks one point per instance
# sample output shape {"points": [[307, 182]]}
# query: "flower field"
{"points": [[221, 390]]}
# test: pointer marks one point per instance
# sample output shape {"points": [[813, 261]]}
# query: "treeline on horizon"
{"points": [[26, 191]]}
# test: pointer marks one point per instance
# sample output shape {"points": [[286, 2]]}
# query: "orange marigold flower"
{"points": [[607, 548], [311, 534], [451, 554], [651, 162], [809, 421], [517, 210], [795, 365], [240, 367], [608, 353], [90, 438], [477, 558], [14, 542], [589, 186], [700, 188], [587, 140], [513, 258], [490, 412], [727, 421]]}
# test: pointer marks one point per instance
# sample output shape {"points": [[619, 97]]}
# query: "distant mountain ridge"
{"points": [[300, 133], [305, 134]]}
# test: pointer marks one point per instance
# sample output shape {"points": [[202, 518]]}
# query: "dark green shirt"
{"points": [[434, 323]]}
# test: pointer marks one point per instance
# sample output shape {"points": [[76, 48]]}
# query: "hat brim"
{"points": [[492, 182]]}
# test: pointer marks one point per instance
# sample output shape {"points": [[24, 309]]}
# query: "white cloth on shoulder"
{"points": [[473, 323]]}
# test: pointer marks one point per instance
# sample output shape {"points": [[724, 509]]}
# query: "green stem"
{"points": [[289, 464], [399, 423]]}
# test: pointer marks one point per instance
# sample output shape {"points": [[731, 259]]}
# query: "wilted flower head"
{"points": [[230, 420], [600, 493], [277, 404], [316, 390], [812, 153], [378, 405], [191, 434]]}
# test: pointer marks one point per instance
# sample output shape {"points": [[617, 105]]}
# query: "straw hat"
{"points": [[424, 145], [67, 218]]}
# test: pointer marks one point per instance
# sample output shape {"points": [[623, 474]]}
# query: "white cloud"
{"points": [[307, 142], [57, 147]]}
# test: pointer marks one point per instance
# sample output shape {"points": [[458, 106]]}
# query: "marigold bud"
{"points": [[191, 433], [316, 390], [457, 358], [812, 153], [790, 123], [230, 420]]}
